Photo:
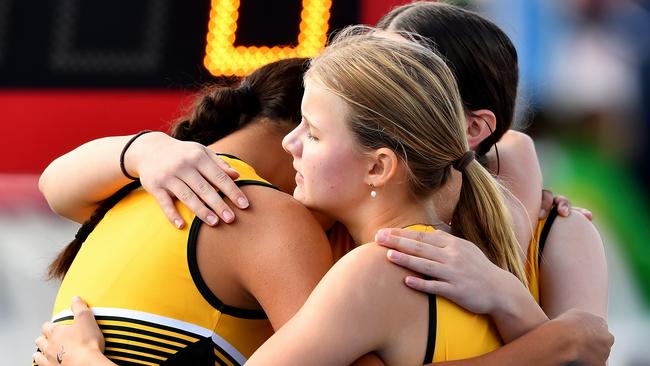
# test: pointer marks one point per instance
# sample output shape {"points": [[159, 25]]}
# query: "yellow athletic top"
{"points": [[455, 333], [140, 276], [535, 250]]}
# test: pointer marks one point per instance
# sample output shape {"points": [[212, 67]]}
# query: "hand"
{"points": [[186, 170], [591, 341], [563, 206], [70, 345], [460, 270]]}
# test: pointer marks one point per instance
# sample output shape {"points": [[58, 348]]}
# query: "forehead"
{"points": [[322, 107]]}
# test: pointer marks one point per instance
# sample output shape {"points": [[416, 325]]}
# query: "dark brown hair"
{"points": [[273, 91], [479, 53]]}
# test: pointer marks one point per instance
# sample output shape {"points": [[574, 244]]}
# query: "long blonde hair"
{"points": [[402, 96]]}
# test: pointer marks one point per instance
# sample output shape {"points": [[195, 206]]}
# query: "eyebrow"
{"points": [[308, 122]]}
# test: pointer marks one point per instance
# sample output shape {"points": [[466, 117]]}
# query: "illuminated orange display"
{"points": [[223, 58]]}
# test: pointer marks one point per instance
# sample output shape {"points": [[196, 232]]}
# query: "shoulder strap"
{"points": [[545, 230]]}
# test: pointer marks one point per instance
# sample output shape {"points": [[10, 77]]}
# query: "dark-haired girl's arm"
{"points": [[75, 183]]}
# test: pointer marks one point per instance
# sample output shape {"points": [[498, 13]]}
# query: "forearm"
{"points": [[76, 182], [516, 313], [550, 344]]}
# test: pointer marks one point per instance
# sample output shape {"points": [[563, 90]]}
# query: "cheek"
{"points": [[336, 174]]}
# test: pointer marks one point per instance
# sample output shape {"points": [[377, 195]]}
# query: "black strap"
{"points": [[545, 230], [433, 326]]}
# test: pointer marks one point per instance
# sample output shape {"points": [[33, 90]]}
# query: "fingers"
{"points": [[187, 196], [411, 238], [223, 180], [420, 265], [563, 205], [584, 212], [232, 173], [40, 359], [410, 248], [208, 195], [41, 343], [428, 286], [547, 202], [80, 310], [166, 203], [47, 328]]}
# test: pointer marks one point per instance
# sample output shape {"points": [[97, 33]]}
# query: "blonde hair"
{"points": [[402, 96]]}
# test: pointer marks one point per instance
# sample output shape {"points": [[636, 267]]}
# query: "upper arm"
{"points": [[519, 171], [287, 256], [343, 319], [573, 268]]}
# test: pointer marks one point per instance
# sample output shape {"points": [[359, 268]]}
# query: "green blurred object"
{"points": [[584, 174]]}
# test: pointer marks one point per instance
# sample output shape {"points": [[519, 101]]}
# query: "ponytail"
{"points": [[59, 267], [482, 217]]}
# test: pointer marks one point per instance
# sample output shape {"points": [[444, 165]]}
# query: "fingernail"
{"points": [[228, 215], [382, 235], [410, 281], [76, 298], [178, 223], [211, 219], [393, 254], [542, 213], [242, 202]]}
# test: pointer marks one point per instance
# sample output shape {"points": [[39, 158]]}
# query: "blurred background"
{"points": [[73, 70]]}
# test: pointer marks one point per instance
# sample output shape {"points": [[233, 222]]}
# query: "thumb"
{"points": [[81, 311]]}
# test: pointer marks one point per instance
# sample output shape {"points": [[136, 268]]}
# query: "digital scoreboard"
{"points": [[157, 43]]}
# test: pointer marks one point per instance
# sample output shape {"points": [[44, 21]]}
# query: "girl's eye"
{"points": [[311, 137]]}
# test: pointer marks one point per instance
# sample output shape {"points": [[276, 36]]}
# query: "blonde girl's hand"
{"points": [[192, 173], [76, 344]]}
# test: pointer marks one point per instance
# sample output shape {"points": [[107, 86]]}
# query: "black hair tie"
{"points": [[461, 163]]}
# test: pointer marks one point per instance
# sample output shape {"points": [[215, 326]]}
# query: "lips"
{"points": [[299, 178]]}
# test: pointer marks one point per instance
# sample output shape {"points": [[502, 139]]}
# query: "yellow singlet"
{"points": [[455, 333], [140, 276], [535, 250]]}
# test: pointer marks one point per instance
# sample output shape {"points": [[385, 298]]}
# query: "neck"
{"points": [[260, 145], [395, 208], [446, 198], [386, 212]]}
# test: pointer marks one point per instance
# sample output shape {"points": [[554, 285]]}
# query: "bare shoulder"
{"points": [[373, 274], [576, 231], [273, 217]]}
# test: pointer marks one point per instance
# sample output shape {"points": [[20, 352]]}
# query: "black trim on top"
{"points": [[193, 264], [203, 288], [229, 156], [545, 230], [433, 324]]}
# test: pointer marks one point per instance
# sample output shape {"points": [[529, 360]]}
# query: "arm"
{"points": [[574, 337], [574, 250], [463, 274], [341, 322], [167, 168], [520, 173]]}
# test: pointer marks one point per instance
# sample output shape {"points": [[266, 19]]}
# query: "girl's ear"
{"points": [[383, 165], [480, 124]]}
